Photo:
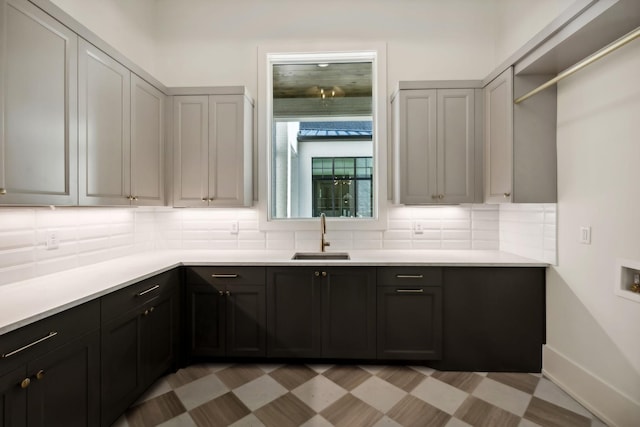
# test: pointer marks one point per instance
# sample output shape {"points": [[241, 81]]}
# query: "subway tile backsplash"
{"points": [[90, 235]]}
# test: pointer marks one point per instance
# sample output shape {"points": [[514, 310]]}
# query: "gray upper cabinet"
{"points": [[498, 110], [147, 143], [104, 159], [435, 146], [212, 150], [520, 141], [121, 134], [38, 107]]}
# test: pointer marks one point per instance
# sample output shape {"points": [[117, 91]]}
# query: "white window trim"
{"points": [[267, 55]]}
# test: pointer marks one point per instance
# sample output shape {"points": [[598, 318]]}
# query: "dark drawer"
{"points": [[226, 276], [138, 294], [409, 276], [40, 337]]}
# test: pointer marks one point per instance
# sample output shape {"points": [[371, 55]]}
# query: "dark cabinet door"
{"points": [[206, 321], [294, 321], [409, 322], [159, 332], [64, 389], [13, 398], [245, 320], [348, 312], [494, 319], [226, 311], [122, 376]]}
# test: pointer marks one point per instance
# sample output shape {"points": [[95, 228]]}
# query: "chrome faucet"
{"points": [[323, 231]]}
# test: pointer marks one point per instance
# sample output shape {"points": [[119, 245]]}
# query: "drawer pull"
{"points": [[25, 383], [409, 276], [151, 289], [224, 276], [40, 374], [409, 291], [11, 353]]}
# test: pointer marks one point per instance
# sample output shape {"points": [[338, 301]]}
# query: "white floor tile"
{"points": [[502, 396], [552, 393], [159, 387], [321, 368], [183, 420], [423, 370], [454, 422], [527, 423], [200, 391], [248, 421], [317, 421], [319, 392], [387, 422], [257, 393], [439, 394], [379, 393]]}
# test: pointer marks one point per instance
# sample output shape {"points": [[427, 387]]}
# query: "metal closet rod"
{"points": [[580, 65]]}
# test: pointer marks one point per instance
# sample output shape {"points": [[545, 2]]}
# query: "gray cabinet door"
{"points": [[147, 143], [38, 107], [456, 146], [498, 139], [435, 146], [104, 129], [416, 148], [229, 152], [191, 150]]}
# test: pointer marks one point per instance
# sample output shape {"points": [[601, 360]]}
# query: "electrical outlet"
{"points": [[585, 235], [51, 241], [234, 227], [417, 227]]}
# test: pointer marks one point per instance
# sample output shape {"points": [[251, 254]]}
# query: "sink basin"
{"points": [[320, 255]]}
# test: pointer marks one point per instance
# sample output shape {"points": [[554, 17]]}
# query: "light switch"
{"points": [[585, 235], [51, 241]]}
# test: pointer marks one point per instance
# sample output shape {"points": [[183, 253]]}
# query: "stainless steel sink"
{"points": [[320, 255]]}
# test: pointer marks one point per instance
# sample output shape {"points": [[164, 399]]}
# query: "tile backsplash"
{"points": [[90, 235]]}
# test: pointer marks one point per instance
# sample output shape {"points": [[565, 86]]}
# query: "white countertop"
{"points": [[25, 302]]}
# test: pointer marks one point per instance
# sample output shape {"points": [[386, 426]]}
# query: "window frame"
{"points": [[267, 56]]}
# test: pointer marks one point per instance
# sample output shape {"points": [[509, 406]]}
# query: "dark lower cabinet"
{"points": [[13, 398], [409, 313], [50, 371], [139, 345], [226, 312], [294, 305], [494, 319], [321, 312], [66, 389], [348, 312]]}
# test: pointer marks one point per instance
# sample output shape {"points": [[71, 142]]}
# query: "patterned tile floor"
{"points": [[349, 395]]}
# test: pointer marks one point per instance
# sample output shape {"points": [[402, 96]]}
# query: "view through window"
{"points": [[322, 140]]}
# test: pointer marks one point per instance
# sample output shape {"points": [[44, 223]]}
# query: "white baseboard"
{"points": [[602, 399]]}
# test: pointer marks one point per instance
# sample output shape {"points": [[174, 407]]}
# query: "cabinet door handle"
{"points": [[151, 289], [221, 293], [410, 291], [23, 348], [40, 374], [3, 191], [409, 276], [224, 276], [25, 383], [227, 293], [507, 195]]}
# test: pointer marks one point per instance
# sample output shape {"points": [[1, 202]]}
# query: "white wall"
{"points": [[589, 327], [129, 26], [215, 42], [517, 21]]}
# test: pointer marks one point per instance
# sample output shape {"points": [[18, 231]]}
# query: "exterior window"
{"points": [[342, 186]]}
